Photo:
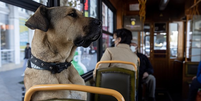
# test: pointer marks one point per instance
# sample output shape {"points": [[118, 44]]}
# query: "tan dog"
{"points": [[59, 31]]}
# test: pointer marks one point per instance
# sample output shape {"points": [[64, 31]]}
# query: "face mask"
{"points": [[133, 48]]}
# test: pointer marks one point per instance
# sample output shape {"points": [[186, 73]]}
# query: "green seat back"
{"points": [[120, 79]]}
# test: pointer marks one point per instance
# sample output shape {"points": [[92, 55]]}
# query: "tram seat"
{"points": [[90, 89], [120, 79]]}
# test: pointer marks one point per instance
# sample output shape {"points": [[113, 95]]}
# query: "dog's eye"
{"points": [[73, 15]]}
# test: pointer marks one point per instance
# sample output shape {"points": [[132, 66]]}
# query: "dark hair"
{"points": [[125, 35], [27, 43]]}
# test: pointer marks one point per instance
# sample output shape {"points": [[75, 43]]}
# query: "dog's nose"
{"points": [[97, 22]]}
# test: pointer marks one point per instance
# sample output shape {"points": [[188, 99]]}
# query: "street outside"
{"points": [[10, 76], [10, 88]]}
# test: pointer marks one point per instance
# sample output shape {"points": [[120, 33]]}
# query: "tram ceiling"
{"points": [[165, 10], [156, 10]]}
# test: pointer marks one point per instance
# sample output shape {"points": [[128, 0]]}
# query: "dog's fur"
{"points": [[58, 32]]}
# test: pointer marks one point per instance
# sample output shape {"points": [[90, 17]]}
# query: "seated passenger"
{"points": [[195, 85], [145, 75], [121, 51]]}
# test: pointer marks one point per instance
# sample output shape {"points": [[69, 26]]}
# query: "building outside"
{"points": [[14, 34]]}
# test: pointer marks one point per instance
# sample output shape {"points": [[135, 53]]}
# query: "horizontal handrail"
{"points": [[117, 61], [89, 89]]}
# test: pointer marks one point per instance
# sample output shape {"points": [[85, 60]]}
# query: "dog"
{"points": [[58, 32]]}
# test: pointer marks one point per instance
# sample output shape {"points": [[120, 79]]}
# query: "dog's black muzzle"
{"points": [[93, 33]]}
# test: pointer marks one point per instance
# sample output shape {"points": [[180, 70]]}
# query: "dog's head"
{"points": [[68, 22]]}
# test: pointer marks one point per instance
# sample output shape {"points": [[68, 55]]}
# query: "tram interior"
{"points": [[168, 32]]}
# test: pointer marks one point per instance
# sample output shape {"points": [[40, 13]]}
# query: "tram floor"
{"points": [[164, 95]]}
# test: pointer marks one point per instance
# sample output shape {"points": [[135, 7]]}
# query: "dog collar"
{"points": [[52, 67]]}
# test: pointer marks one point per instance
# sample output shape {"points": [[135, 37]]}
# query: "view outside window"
{"points": [[173, 31], [107, 41], [107, 18], [189, 34], [145, 40], [160, 41], [110, 21], [85, 59], [44, 2], [14, 33], [145, 43], [107, 26], [196, 39]]}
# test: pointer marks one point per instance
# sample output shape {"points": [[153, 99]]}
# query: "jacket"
{"points": [[27, 53], [145, 65], [121, 52]]}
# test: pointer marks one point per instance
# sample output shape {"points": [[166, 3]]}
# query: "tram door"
{"points": [[155, 47], [163, 44], [159, 54]]}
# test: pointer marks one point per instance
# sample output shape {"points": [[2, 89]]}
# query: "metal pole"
{"points": [[53, 3], [99, 42]]}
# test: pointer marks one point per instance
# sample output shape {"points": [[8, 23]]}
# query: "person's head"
{"points": [[122, 36], [27, 44], [133, 46]]}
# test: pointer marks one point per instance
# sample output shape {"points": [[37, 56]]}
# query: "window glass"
{"points": [[107, 26], [93, 9], [196, 39], [135, 37], [85, 59], [173, 31], [189, 33], [104, 17], [44, 2], [14, 31], [160, 41], [107, 19], [2, 4], [110, 21], [107, 41], [14, 35], [145, 36]]}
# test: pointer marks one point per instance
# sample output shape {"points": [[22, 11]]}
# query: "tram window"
{"points": [[85, 59], [189, 33], [145, 40], [44, 2], [110, 21], [107, 19], [107, 41], [195, 39], [173, 32], [135, 37], [107, 26], [160, 41], [12, 31], [145, 43]]}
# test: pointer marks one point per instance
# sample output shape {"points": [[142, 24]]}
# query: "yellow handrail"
{"points": [[117, 61], [90, 89]]}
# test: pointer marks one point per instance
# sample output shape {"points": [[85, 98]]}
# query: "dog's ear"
{"points": [[39, 20]]}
